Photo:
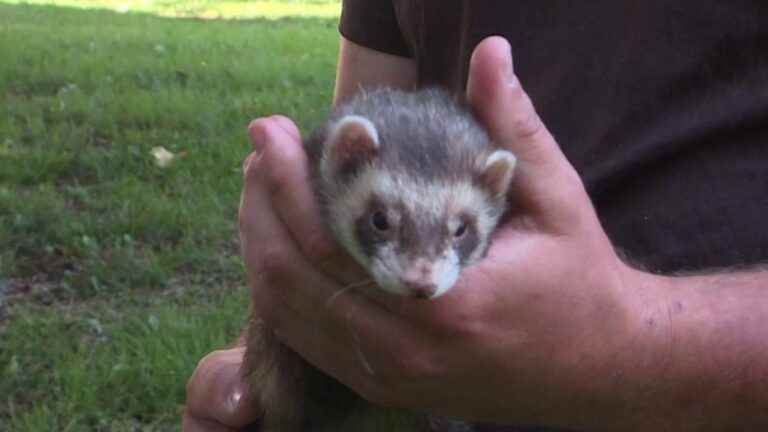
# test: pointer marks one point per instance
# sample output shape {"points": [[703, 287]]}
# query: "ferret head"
{"points": [[413, 232]]}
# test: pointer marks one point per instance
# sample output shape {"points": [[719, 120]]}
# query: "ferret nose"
{"points": [[418, 279], [421, 289]]}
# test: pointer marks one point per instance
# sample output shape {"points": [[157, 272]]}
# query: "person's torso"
{"points": [[661, 106]]}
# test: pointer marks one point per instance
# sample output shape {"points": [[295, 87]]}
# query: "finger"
{"points": [[545, 181], [217, 394], [291, 194], [364, 349], [273, 259], [299, 299], [285, 173], [288, 126], [329, 351], [265, 244]]}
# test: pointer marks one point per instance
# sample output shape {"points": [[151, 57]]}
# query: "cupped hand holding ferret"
{"points": [[531, 334]]}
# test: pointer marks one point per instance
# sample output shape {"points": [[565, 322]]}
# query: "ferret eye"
{"points": [[460, 231], [379, 221]]}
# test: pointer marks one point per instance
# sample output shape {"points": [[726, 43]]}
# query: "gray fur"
{"points": [[426, 138], [424, 133]]}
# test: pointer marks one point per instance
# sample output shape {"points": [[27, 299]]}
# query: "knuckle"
{"points": [[208, 362], [250, 165], [527, 124], [411, 362], [278, 180], [244, 222], [198, 383], [470, 329], [272, 262], [574, 180], [416, 366], [259, 126], [246, 164], [570, 186], [444, 322], [286, 124], [279, 154], [318, 247], [449, 323]]}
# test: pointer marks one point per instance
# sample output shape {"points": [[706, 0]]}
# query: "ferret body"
{"points": [[411, 186]]}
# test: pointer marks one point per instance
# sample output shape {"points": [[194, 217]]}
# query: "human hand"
{"points": [[527, 335], [217, 396], [276, 197]]}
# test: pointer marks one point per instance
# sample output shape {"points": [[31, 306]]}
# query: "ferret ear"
{"points": [[497, 172], [353, 141]]}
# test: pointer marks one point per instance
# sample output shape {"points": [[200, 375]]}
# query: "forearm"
{"points": [[359, 67], [699, 357]]}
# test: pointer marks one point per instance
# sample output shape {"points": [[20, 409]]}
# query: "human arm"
{"points": [[707, 333], [359, 66], [217, 399], [551, 328]]}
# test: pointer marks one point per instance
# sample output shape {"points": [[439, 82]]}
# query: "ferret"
{"points": [[412, 187]]}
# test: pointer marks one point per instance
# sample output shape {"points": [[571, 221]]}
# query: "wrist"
{"points": [[597, 376], [705, 366], [681, 334], [619, 373], [642, 352]]}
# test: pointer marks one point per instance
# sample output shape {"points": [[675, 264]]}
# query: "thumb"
{"points": [[545, 182], [218, 397]]}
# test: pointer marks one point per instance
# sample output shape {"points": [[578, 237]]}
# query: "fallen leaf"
{"points": [[163, 158]]}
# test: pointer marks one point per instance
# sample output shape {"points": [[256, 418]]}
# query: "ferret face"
{"points": [[413, 236], [414, 233]]}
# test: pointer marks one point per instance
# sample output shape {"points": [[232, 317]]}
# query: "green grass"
{"points": [[239, 9], [101, 366], [117, 275]]}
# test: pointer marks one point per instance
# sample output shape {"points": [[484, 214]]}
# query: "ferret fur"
{"points": [[426, 162]]}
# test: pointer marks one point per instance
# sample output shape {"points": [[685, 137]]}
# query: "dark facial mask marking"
{"points": [[421, 238], [368, 236], [469, 241]]}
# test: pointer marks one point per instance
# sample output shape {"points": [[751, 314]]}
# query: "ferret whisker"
{"points": [[339, 292], [361, 357]]}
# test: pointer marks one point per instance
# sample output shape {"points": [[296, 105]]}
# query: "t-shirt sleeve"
{"points": [[373, 24]]}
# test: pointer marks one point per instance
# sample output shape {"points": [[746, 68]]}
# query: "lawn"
{"points": [[237, 9], [117, 273]]}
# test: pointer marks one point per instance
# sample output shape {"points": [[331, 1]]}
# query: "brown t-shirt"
{"points": [[661, 106]]}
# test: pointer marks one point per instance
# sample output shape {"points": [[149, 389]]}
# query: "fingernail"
{"points": [[236, 397], [257, 135], [509, 67], [285, 124], [252, 158]]}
